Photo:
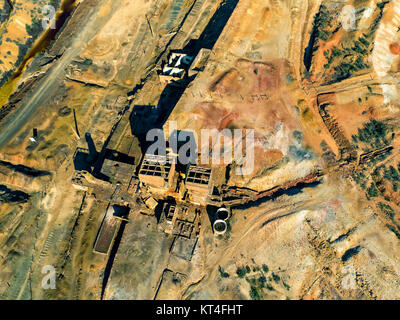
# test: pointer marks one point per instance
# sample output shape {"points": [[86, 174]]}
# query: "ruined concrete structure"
{"points": [[158, 171], [199, 183], [220, 227], [223, 214], [199, 62], [107, 231], [182, 220], [169, 210], [151, 203], [176, 68], [179, 218]]}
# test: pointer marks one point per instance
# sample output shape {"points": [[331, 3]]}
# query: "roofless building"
{"points": [[158, 171]]}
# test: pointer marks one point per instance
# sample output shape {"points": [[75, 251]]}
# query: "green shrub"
{"points": [[262, 281], [222, 273], [276, 277], [241, 272], [373, 190], [254, 295]]}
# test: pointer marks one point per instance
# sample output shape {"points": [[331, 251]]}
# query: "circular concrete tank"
{"points": [[223, 214], [220, 226]]}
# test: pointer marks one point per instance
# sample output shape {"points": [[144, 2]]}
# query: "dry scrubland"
{"points": [[20, 27], [319, 98]]}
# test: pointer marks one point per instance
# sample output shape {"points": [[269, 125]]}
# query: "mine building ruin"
{"points": [[118, 167], [169, 210], [198, 183], [158, 171], [199, 62], [176, 68], [108, 229], [175, 217]]}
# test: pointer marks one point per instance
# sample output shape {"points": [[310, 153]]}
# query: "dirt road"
{"points": [[52, 79]]}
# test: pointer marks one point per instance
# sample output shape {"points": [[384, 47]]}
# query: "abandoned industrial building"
{"points": [[176, 68], [158, 171], [131, 180], [199, 183]]}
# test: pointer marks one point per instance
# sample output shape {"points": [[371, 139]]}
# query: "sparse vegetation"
{"points": [[352, 55], [382, 181], [254, 295], [256, 276], [222, 273], [275, 277], [241, 272], [388, 210], [321, 21], [373, 191], [374, 134]]}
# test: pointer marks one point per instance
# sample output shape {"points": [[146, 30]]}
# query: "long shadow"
{"points": [[170, 96], [28, 171], [76, 124], [212, 214], [214, 28], [145, 118], [103, 169], [135, 89], [289, 192], [158, 211], [118, 157], [351, 252], [12, 196], [80, 160], [111, 258], [101, 155], [308, 51], [93, 154], [173, 92]]}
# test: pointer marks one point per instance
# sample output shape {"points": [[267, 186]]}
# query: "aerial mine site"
{"points": [[199, 149]]}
